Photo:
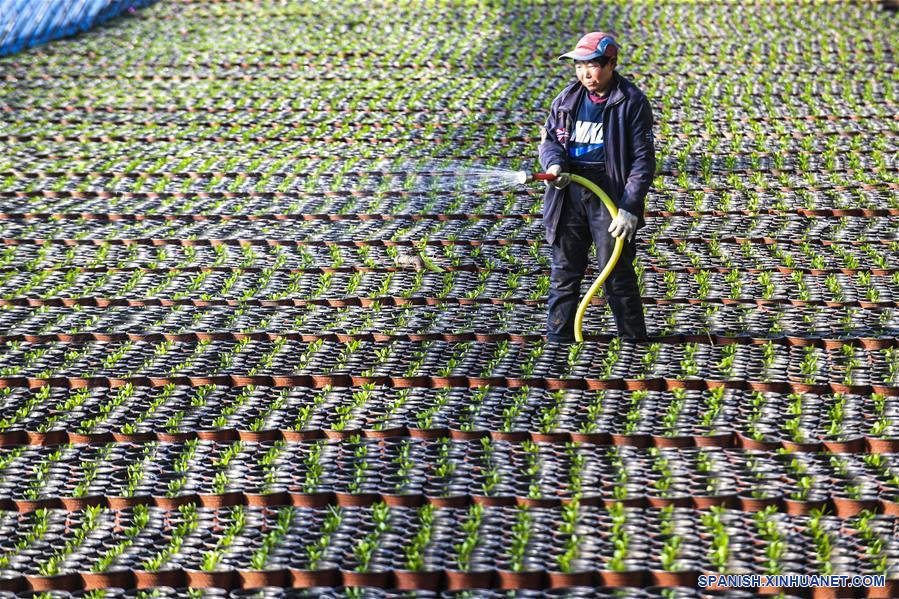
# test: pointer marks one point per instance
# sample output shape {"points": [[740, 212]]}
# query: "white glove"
{"points": [[623, 225], [561, 180]]}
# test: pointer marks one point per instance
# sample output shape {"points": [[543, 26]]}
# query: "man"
{"points": [[599, 127]]}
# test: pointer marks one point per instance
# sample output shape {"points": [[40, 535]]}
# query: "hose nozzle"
{"points": [[525, 177]]}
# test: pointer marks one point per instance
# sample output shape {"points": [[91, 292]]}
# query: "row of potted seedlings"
{"points": [[536, 93], [787, 227], [256, 69], [296, 230], [409, 471], [232, 17], [743, 145], [740, 133], [695, 250], [448, 320], [809, 144], [785, 368], [754, 146], [657, 252], [427, 547], [207, 89], [745, 171], [679, 168], [273, 283], [402, 205], [860, 19], [837, 422]]}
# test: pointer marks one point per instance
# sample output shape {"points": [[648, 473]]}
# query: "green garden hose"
{"points": [[526, 177], [610, 265]]}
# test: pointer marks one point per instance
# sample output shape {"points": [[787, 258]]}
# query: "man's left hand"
{"points": [[624, 225]]}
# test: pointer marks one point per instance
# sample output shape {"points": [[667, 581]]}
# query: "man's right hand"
{"points": [[561, 180]]}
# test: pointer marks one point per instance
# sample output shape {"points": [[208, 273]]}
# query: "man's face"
{"points": [[595, 74]]}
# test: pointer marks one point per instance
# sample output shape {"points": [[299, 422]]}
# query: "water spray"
{"points": [[524, 177]]}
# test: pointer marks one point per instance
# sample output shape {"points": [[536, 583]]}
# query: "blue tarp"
{"points": [[26, 23]]}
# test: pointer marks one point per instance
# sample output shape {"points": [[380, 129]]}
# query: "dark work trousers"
{"points": [[585, 220]]}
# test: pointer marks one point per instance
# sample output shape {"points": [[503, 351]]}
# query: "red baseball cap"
{"points": [[593, 45]]}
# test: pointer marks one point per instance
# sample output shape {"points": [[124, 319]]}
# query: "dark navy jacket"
{"points": [[628, 141]]}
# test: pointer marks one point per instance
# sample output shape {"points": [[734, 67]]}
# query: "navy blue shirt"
{"points": [[586, 141]]}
